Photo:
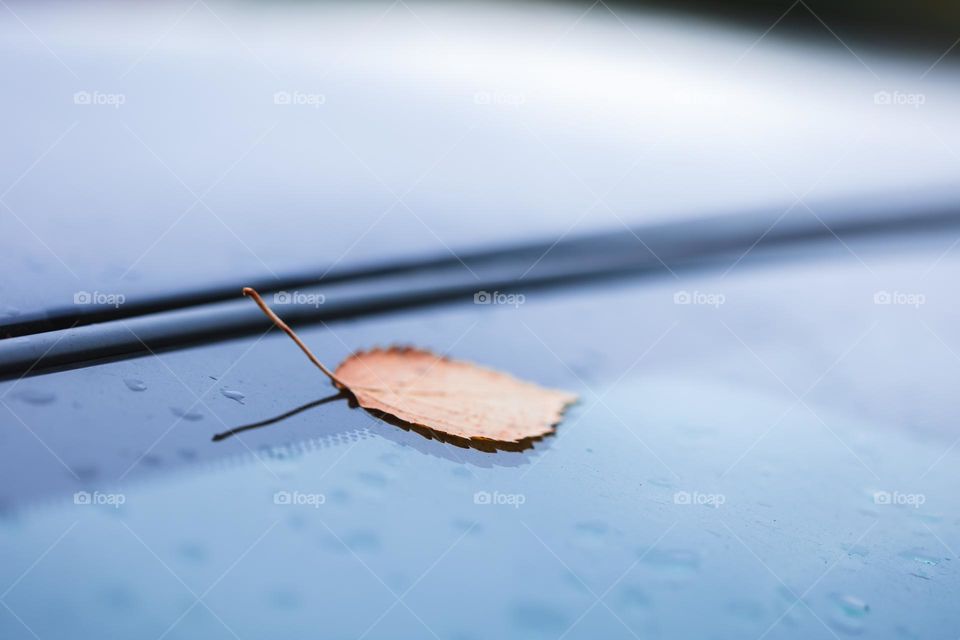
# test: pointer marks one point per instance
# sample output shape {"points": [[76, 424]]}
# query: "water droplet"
{"points": [[673, 563], [120, 598], [591, 533], [574, 582], [852, 605], [191, 415], [672, 557], [849, 613], [362, 541], [286, 599], [592, 527], [390, 459], [339, 496], [857, 550], [192, 552], [35, 396], [537, 616], [918, 556], [464, 525], [397, 580], [661, 482], [233, 395], [135, 385], [86, 473], [152, 460], [372, 479]]}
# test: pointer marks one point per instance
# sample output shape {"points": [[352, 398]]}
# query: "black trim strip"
{"points": [[176, 322], [691, 237]]}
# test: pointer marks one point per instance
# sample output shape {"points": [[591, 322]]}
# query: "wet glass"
{"points": [[763, 454]]}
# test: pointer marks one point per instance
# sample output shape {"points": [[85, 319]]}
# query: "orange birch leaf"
{"points": [[451, 397]]}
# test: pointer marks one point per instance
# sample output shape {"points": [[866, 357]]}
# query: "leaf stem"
{"points": [[251, 293]]}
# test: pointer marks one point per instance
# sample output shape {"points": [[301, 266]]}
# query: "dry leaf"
{"points": [[459, 399]]}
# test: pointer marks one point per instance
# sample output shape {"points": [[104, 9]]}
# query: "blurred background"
{"points": [[163, 145]]}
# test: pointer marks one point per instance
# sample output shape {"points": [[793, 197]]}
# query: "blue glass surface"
{"points": [[441, 128], [778, 465]]}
